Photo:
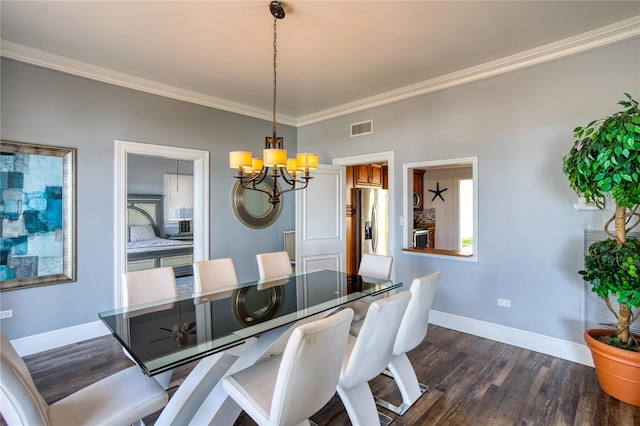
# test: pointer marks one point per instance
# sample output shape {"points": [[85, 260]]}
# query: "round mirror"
{"points": [[252, 207]]}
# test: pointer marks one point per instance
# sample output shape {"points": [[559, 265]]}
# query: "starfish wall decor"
{"points": [[438, 192]]}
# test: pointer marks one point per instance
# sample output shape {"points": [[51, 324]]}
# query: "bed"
{"points": [[145, 247]]}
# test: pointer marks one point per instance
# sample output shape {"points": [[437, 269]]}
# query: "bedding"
{"points": [[145, 249], [156, 244], [141, 233]]}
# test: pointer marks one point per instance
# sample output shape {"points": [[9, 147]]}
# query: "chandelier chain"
{"points": [[275, 54]]}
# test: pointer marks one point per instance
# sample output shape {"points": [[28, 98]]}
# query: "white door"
{"points": [[320, 221]]}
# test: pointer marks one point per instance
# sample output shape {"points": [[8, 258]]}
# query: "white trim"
{"points": [[379, 157], [590, 40], [200, 160], [44, 59], [407, 205], [61, 337], [570, 46], [559, 348]]}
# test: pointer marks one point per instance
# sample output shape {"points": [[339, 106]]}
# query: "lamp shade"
{"points": [[307, 161], [274, 157], [292, 165], [239, 159], [256, 165]]}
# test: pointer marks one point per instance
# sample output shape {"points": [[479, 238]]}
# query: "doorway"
{"points": [[200, 218], [376, 158]]}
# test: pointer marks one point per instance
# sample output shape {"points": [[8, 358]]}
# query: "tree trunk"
{"points": [[620, 224], [624, 320], [624, 316]]}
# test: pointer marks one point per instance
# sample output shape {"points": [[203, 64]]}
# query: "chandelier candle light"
{"points": [[274, 162]]}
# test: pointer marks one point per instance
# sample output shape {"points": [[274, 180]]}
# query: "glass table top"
{"points": [[171, 332]]}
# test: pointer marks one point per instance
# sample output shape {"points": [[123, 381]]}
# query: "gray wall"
{"points": [[520, 125], [47, 107]]}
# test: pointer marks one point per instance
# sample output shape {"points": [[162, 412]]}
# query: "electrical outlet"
{"points": [[505, 303], [6, 314]]}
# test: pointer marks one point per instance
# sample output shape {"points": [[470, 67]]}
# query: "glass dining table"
{"points": [[163, 335]]}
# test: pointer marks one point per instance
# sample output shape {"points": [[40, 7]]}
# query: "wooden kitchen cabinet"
{"points": [[369, 174]]}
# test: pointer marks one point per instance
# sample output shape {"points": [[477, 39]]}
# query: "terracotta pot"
{"points": [[618, 369]]}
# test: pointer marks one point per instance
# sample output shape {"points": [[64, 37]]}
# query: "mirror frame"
{"points": [[248, 218], [407, 202]]}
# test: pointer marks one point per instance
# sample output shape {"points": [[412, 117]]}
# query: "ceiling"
{"points": [[333, 56]]}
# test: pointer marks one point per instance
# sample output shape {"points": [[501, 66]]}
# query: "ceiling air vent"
{"points": [[362, 128]]}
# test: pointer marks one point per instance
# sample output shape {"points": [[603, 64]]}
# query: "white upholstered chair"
{"points": [[273, 265], [375, 266], [411, 333], [146, 286], [120, 399], [214, 274], [372, 266], [287, 389], [368, 355]]}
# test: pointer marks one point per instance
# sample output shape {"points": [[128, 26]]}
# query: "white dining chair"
{"points": [[147, 286], [375, 266], [372, 266], [273, 265], [368, 355], [412, 331], [120, 399], [214, 274], [289, 388]]}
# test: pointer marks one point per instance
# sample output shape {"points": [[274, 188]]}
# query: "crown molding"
{"points": [[44, 59], [610, 34]]}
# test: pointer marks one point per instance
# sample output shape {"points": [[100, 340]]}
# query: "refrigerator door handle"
{"points": [[374, 227]]}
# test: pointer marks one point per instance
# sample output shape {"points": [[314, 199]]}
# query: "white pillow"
{"points": [[141, 233]]}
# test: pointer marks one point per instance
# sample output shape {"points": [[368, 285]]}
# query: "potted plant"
{"points": [[605, 158]]}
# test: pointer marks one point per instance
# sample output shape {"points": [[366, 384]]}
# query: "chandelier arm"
{"points": [[295, 188], [251, 188], [252, 179], [291, 180]]}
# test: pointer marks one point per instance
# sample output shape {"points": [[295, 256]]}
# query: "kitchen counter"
{"points": [[458, 253]]}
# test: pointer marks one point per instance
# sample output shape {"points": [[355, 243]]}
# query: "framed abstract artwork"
{"points": [[38, 215]]}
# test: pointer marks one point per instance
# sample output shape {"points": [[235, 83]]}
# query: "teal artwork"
{"points": [[32, 215]]}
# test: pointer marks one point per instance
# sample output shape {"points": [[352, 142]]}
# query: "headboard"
{"points": [[145, 209]]}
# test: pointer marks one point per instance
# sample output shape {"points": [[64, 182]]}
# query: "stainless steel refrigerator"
{"points": [[372, 222]]}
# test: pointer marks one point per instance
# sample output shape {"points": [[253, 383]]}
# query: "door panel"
{"points": [[320, 221]]}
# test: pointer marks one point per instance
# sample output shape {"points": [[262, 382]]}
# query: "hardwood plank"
{"points": [[473, 381]]}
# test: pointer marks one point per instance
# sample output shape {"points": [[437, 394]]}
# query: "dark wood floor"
{"points": [[473, 381]]}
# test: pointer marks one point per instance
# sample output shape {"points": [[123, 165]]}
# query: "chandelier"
{"points": [[252, 171]]}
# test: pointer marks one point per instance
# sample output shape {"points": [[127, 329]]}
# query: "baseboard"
{"points": [[559, 348], [61, 337], [564, 349]]}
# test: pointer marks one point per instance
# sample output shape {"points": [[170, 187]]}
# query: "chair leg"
{"points": [[360, 406], [405, 377]]}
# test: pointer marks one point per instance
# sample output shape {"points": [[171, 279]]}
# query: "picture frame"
{"points": [[37, 214]]}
